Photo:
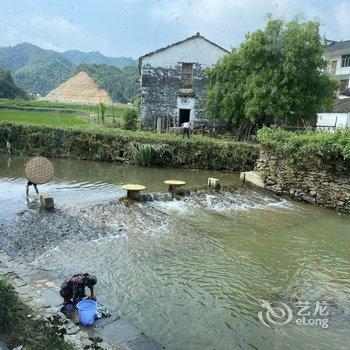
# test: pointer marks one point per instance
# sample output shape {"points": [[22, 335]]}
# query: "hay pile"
{"points": [[79, 89]]}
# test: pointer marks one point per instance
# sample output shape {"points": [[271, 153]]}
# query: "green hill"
{"points": [[8, 88], [39, 71], [78, 57], [44, 74], [15, 57]]}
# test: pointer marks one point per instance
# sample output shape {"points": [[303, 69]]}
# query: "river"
{"points": [[193, 273]]}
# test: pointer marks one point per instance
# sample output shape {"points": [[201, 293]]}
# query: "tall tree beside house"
{"points": [[8, 88], [277, 75]]}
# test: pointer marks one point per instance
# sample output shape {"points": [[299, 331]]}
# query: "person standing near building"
{"points": [[186, 129]]}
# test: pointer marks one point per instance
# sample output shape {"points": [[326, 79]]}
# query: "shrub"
{"points": [[17, 327], [130, 119], [306, 148], [107, 145]]}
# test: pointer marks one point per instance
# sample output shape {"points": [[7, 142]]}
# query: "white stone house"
{"points": [[338, 55], [173, 82]]}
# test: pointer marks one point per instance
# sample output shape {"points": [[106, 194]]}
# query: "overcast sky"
{"points": [[134, 27]]}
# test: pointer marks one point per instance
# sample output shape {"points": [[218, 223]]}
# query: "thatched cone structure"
{"points": [[79, 89]]}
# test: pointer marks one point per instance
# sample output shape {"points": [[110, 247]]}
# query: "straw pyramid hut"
{"points": [[79, 89]]}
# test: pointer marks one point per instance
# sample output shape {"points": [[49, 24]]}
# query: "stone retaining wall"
{"points": [[326, 184]]}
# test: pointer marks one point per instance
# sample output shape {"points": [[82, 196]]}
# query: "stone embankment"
{"points": [[326, 185], [40, 291]]}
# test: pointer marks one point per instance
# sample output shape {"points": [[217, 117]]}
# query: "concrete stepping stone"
{"points": [[133, 190]]}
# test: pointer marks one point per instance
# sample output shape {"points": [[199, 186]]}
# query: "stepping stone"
{"points": [[175, 186], [133, 190], [47, 202], [214, 183]]}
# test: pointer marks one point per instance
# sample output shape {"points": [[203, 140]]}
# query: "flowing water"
{"points": [[193, 273]]}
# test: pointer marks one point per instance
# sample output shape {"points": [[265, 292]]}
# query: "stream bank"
{"points": [[191, 273], [123, 146]]}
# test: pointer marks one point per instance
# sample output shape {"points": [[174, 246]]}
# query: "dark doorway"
{"points": [[184, 116]]}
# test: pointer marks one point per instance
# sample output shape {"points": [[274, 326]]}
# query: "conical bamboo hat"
{"points": [[39, 170]]}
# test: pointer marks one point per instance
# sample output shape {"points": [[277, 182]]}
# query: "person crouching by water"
{"points": [[73, 290], [29, 183], [186, 128]]}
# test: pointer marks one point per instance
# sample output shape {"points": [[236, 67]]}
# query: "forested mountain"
{"points": [[44, 74], [15, 57], [77, 57], [38, 71], [121, 84], [8, 88]]}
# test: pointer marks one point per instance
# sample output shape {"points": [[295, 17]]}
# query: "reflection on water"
{"points": [[192, 274]]}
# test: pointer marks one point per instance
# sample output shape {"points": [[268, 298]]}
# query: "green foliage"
{"points": [[38, 70], [151, 155], [46, 106], [103, 144], [17, 326], [44, 74], [102, 111], [8, 317], [120, 84], [8, 88], [306, 148], [142, 153], [275, 76], [19, 55], [41, 118], [130, 119]]}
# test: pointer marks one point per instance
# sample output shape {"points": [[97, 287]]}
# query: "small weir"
{"points": [[190, 274]]}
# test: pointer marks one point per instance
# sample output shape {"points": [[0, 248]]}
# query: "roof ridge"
{"points": [[197, 35]]}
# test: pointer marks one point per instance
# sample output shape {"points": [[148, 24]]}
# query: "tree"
{"points": [[102, 111], [8, 88], [130, 119], [277, 75]]}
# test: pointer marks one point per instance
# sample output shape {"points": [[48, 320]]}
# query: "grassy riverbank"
{"points": [[39, 106], [41, 118], [94, 142], [19, 327]]}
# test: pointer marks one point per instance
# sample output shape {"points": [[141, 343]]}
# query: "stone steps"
{"points": [[40, 291]]}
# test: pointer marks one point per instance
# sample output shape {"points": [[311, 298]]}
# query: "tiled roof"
{"points": [[180, 42], [338, 46]]}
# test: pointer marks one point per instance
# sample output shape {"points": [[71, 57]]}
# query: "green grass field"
{"points": [[41, 118], [33, 105]]}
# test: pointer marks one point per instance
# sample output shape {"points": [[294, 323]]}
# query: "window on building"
{"points": [[334, 64], [186, 75], [345, 61]]}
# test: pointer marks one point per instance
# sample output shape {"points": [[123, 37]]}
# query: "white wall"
{"points": [[339, 120], [196, 50], [339, 70]]}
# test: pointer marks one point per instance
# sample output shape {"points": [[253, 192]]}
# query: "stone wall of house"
{"points": [[326, 184], [160, 91]]}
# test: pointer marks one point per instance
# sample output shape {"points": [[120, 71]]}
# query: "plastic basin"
{"points": [[86, 312]]}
